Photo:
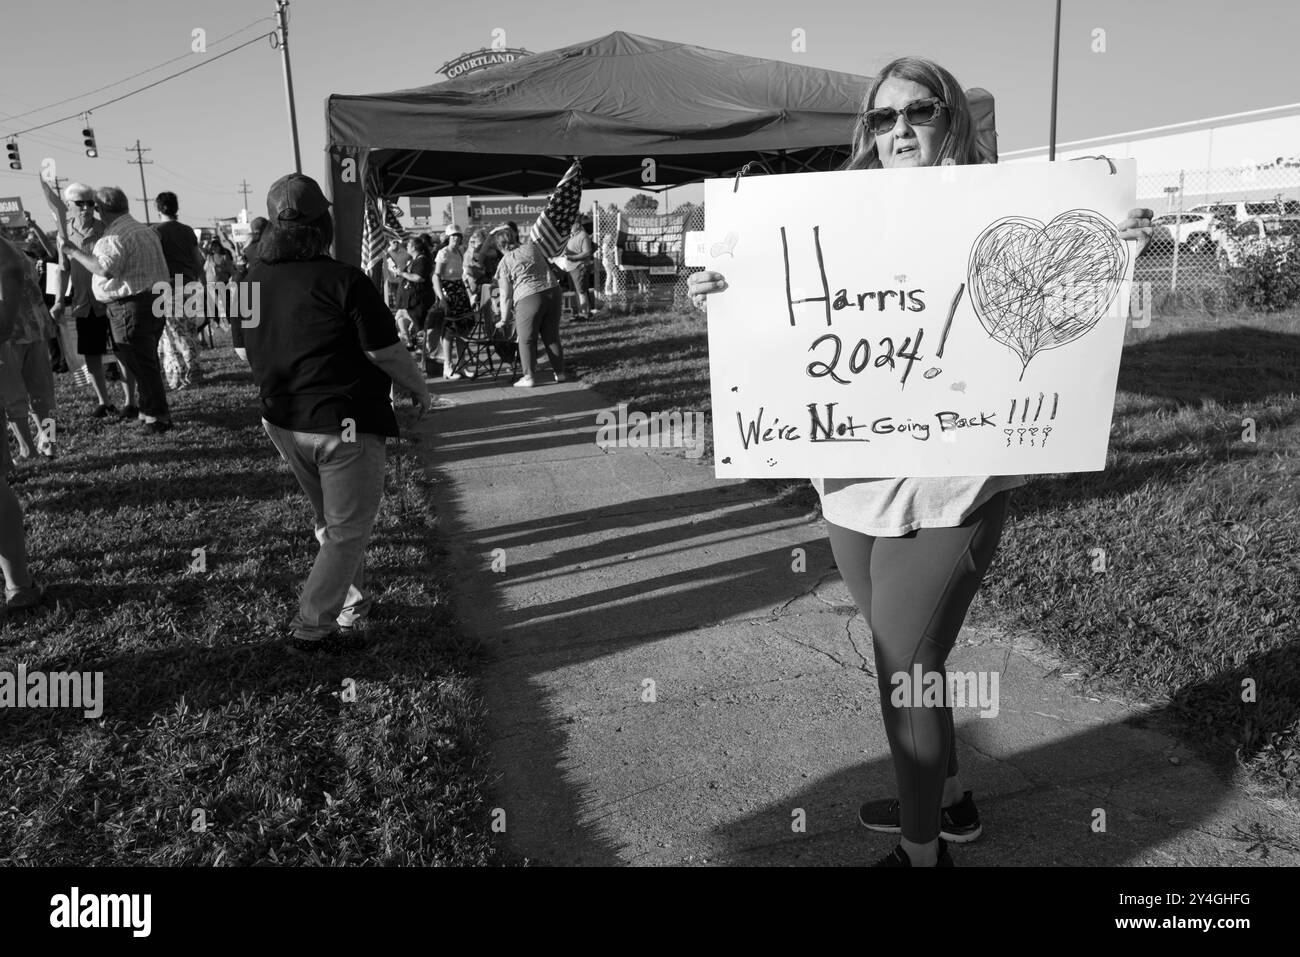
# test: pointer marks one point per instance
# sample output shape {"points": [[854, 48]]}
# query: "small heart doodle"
{"points": [[726, 247]]}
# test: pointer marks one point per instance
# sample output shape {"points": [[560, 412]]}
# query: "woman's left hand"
{"points": [[1137, 228]]}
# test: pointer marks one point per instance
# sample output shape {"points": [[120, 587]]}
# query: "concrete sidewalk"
{"points": [[667, 687]]}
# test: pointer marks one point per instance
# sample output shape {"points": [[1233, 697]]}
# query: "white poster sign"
{"points": [[955, 320]]}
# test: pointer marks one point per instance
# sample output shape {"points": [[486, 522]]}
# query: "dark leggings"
{"points": [[538, 316], [914, 591]]}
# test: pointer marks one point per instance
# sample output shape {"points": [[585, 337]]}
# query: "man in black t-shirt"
{"points": [[325, 353]]}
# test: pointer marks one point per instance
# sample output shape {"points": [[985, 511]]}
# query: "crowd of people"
{"points": [[439, 288], [329, 362]]}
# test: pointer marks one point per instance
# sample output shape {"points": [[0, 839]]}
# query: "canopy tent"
{"points": [[617, 102]]}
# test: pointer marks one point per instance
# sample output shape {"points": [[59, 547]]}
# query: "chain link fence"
{"points": [[636, 271], [1204, 217]]}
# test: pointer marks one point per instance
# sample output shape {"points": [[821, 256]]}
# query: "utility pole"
{"points": [[282, 41], [140, 161], [244, 188], [1056, 61]]}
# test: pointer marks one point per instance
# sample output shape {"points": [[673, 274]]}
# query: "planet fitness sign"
{"points": [[480, 60], [520, 210]]}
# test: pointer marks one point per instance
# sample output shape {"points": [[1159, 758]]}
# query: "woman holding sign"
{"points": [[913, 551]]}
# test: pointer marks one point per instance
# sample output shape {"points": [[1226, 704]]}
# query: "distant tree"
{"points": [[691, 212], [642, 204]]}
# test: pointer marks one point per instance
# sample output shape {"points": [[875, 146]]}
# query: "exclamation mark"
{"points": [[1055, 397], [952, 311]]}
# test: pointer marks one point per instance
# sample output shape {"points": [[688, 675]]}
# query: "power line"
{"points": [[189, 182], [118, 99], [50, 106]]}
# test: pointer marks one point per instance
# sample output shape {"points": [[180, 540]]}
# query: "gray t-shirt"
{"points": [[891, 507]]}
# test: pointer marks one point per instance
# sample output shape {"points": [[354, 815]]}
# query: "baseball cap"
{"points": [[296, 198], [453, 230], [75, 191]]}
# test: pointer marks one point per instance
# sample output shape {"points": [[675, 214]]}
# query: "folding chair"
{"points": [[479, 346]]}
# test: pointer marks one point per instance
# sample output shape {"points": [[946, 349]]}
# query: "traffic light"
{"points": [[15, 161], [91, 149]]}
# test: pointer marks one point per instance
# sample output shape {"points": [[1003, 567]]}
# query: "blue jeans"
{"points": [[344, 481]]}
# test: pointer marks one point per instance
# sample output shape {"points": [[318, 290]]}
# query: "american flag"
{"points": [[551, 231], [374, 237]]}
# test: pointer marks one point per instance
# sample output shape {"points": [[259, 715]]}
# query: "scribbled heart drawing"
{"points": [[727, 246], [1037, 287]]}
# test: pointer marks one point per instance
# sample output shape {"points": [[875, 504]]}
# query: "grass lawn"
{"points": [[204, 709], [1200, 529]]}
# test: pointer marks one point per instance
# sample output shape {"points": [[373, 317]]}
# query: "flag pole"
{"points": [[1056, 62]]}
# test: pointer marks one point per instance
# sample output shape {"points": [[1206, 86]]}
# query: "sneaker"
{"points": [[337, 643], [525, 383], [959, 823], [898, 857], [104, 411], [130, 411], [25, 599]]}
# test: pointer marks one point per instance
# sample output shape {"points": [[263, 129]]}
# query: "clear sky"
{"points": [[1165, 61]]}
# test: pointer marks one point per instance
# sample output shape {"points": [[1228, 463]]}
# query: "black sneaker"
{"points": [[26, 600], [104, 411], [960, 822], [130, 412], [898, 857], [340, 642]]}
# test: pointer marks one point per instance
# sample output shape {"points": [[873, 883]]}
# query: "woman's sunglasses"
{"points": [[84, 202], [917, 113]]}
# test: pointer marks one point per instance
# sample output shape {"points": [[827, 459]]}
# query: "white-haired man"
{"points": [[128, 262], [77, 301]]}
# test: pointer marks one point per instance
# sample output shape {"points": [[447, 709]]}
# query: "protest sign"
{"points": [[955, 320]]}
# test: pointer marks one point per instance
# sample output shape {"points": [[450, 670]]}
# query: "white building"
{"points": [[1241, 157]]}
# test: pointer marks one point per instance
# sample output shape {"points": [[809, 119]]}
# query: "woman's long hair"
{"points": [[294, 242], [958, 146]]}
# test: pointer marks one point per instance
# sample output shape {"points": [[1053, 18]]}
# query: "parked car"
{"points": [[1195, 232], [1278, 232], [1239, 212]]}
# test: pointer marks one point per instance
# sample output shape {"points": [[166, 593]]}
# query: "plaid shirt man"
{"points": [[133, 254]]}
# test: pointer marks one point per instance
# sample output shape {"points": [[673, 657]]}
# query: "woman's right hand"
{"points": [[702, 284]]}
